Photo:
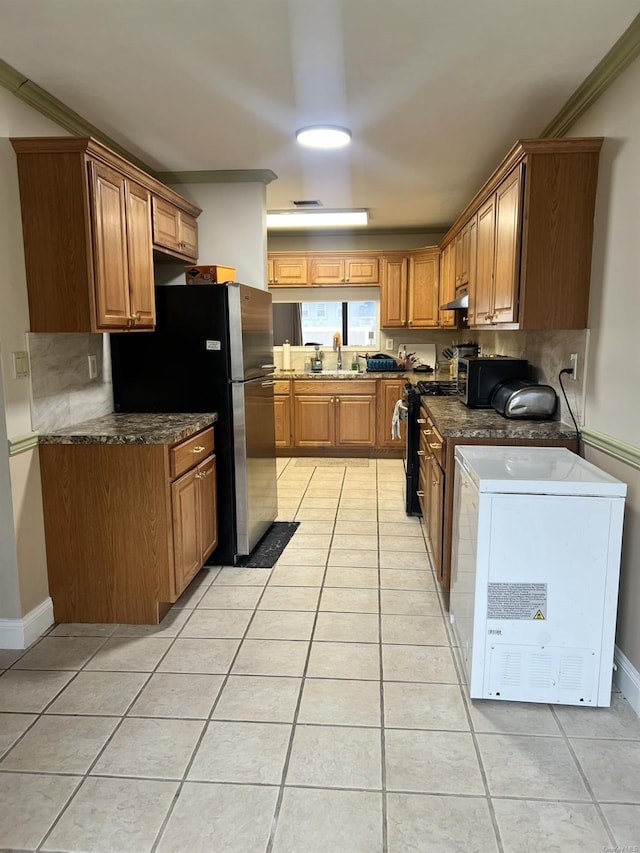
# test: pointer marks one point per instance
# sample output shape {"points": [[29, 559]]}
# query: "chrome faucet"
{"points": [[337, 347]]}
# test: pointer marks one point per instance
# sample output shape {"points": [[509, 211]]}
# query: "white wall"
{"points": [[613, 361]]}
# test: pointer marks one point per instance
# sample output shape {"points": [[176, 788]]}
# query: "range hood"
{"points": [[461, 300]]}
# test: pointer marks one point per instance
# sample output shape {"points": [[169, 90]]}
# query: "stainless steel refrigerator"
{"points": [[212, 351]]}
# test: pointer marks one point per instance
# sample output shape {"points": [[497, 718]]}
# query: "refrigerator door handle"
{"points": [[269, 382], [268, 366]]}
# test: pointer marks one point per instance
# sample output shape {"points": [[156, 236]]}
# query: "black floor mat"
{"points": [[270, 547]]}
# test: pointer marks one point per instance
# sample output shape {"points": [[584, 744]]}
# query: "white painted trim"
{"points": [[627, 679], [20, 633]]}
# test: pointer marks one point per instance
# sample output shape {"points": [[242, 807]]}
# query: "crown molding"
{"points": [[363, 231], [218, 176], [622, 54], [619, 450], [22, 443], [10, 78]]}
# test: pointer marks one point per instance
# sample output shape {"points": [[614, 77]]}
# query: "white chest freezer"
{"points": [[537, 535]]}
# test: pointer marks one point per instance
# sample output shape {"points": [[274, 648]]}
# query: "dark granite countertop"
{"points": [[455, 420], [409, 375], [133, 428]]}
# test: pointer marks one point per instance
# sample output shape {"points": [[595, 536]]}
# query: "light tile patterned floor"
{"points": [[313, 707]]}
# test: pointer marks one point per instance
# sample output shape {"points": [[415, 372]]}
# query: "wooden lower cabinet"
{"points": [[389, 392], [126, 526], [334, 414], [282, 413]]}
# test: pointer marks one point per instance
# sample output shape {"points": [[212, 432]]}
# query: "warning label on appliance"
{"points": [[517, 601]]}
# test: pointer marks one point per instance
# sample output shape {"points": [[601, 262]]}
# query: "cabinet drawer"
{"points": [[191, 451], [341, 386], [282, 386]]}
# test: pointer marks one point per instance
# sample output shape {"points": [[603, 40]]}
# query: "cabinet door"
{"points": [[290, 272], [506, 276], [389, 392], [186, 527], [485, 253], [282, 414], [434, 489], [314, 421], [208, 507], [270, 272], [188, 235], [447, 319], [393, 293], [473, 256], [327, 271], [110, 247], [355, 421], [361, 271], [140, 256], [166, 224], [423, 291]]}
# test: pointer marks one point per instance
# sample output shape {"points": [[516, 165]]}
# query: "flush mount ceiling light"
{"points": [[323, 136], [316, 218]]}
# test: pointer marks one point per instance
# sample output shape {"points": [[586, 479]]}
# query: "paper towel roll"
{"points": [[286, 356]]}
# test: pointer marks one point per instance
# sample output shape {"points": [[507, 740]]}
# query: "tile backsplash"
{"points": [[61, 391]]}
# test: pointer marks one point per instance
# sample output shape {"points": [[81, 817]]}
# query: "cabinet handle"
{"points": [[420, 494], [198, 449], [426, 432], [133, 318], [421, 453], [422, 420], [436, 446], [275, 279], [203, 474], [346, 279], [436, 483]]}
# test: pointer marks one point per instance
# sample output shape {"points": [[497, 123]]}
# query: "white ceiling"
{"points": [[434, 91]]}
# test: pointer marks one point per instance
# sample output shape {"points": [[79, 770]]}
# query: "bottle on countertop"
{"points": [[286, 356]]}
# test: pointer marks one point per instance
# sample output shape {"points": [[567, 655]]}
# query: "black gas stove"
{"points": [[444, 388]]}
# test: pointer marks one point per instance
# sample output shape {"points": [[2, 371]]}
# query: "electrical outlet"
{"points": [[93, 366], [20, 363], [390, 344], [573, 358]]}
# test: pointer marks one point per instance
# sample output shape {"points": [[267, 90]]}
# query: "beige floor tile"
{"points": [[201, 655], [239, 817], [156, 748], [81, 629], [354, 542], [357, 559], [282, 625], [515, 718], [618, 721], [357, 528], [335, 757], [410, 603], [428, 824], [349, 600], [354, 513], [302, 557], [216, 624], [290, 598], [611, 768], [402, 544], [531, 825], [134, 654], [356, 503], [313, 502], [177, 694], [316, 526], [253, 753], [521, 766], [271, 657], [424, 706], [30, 691], [113, 816], [60, 653], [234, 576], [258, 698], [325, 821], [432, 762], [60, 745], [340, 702], [170, 626], [347, 627], [399, 528], [29, 804], [418, 560], [414, 630], [297, 576], [286, 514], [309, 540], [344, 660], [11, 727], [418, 663], [407, 580], [624, 822], [192, 594], [348, 576], [231, 597], [315, 514], [99, 693], [9, 656]]}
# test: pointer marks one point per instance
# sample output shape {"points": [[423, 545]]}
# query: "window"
{"points": [[319, 321]]}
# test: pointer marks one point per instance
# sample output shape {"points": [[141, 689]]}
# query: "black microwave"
{"points": [[479, 375]]}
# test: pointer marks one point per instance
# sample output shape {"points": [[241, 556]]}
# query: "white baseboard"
{"points": [[20, 633], [627, 679]]}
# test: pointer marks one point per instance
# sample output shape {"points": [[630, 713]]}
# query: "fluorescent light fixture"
{"points": [[316, 218], [323, 136]]}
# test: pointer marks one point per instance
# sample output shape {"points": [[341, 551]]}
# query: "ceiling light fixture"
{"points": [[316, 218], [323, 136]]}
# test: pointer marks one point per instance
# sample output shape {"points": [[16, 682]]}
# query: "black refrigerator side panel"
{"points": [[183, 366]]}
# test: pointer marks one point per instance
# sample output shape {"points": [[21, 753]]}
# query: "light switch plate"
{"points": [[93, 366], [20, 363]]}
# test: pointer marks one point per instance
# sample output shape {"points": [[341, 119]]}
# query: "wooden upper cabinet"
{"points": [[483, 284], [507, 251], [424, 270], [362, 270], [393, 293], [174, 230], [91, 269], [447, 292], [289, 272], [337, 270]]}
